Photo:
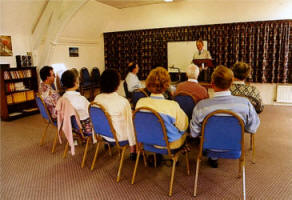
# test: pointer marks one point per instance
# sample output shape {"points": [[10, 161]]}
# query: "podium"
{"points": [[206, 62], [205, 66]]}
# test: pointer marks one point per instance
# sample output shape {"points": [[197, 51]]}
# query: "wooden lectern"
{"points": [[205, 66]]}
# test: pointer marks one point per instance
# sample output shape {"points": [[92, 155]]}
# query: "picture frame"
{"points": [[5, 46], [73, 52]]}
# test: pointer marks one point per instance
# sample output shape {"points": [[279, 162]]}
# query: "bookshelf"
{"points": [[18, 88]]}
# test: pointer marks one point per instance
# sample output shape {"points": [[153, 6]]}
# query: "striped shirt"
{"points": [[225, 101], [175, 120]]}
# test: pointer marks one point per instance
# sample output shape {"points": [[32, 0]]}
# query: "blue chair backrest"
{"points": [[127, 93], [222, 133], [148, 128], [100, 122], [186, 103], [85, 77], [136, 96], [95, 75], [42, 108]]}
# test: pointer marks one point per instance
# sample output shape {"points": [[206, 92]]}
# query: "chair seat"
{"points": [[121, 143], [223, 154], [151, 148]]}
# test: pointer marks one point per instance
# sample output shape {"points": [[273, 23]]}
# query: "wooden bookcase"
{"points": [[18, 88]]}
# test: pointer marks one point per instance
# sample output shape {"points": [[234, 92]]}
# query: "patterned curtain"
{"points": [[265, 45]]}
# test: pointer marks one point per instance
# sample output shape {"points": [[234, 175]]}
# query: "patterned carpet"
{"points": [[29, 171]]}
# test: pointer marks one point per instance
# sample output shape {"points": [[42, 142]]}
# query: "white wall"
{"points": [[198, 13], [17, 19]]}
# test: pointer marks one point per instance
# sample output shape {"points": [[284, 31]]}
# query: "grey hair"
{"points": [[193, 71]]}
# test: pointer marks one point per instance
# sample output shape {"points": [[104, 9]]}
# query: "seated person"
{"points": [[175, 119], [132, 79], [192, 86], [49, 95], [117, 107], [241, 71], [70, 82], [221, 81]]}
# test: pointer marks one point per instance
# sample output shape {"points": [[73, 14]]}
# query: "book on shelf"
{"points": [[14, 114], [29, 95], [9, 99], [30, 109], [6, 75], [19, 97]]}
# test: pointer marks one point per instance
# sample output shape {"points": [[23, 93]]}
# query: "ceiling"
{"points": [[132, 3]]}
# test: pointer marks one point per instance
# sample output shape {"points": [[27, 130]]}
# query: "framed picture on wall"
{"points": [[73, 52], [5, 46]]}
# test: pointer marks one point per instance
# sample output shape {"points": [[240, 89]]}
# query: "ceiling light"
{"points": [[168, 0]]}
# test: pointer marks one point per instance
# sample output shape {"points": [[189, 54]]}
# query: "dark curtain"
{"points": [[266, 46]]}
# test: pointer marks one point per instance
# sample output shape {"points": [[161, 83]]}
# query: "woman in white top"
{"points": [[70, 82], [117, 107]]}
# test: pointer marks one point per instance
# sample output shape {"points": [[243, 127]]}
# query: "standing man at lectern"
{"points": [[200, 55]]}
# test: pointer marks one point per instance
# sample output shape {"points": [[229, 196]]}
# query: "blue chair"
{"points": [[85, 81], [77, 133], [151, 136], [102, 125], [138, 94], [186, 102], [223, 137], [127, 93], [48, 119]]}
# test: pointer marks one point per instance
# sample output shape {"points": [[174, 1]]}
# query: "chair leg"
{"points": [[121, 163], [187, 163], [66, 150], [44, 134], [85, 152], [239, 168], [172, 175], [55, 142], [95, 155], [136, 166], [196, 177], [144, 159], [243, 181], [109, 149], [253, 148], [155, 161]]}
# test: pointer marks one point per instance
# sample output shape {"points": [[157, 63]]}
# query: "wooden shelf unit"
{"points": [[18, 101]]}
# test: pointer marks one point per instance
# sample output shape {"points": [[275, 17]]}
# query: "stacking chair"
{"points": [[48, 119], [154, 139], [95, 79], [138, 94], [223, 137], [85, 81], [102, 125], [127, 93], [186, 102], [77, 131]]}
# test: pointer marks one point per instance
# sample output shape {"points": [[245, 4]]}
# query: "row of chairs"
{"points": [[89, 82], [232, 140]]}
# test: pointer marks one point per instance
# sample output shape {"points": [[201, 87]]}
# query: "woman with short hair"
{"points": [[175, 120]]}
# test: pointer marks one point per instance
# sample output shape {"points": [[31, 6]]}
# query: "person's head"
{"points": [[47, 74], [241, 70], [109, 81], [75, 71], [70, 80], [199, 44], [193, 71], [158, 80], [133, 67], [222, 78]]}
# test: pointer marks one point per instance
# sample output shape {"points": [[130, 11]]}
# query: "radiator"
{"points": [[284, 93]]}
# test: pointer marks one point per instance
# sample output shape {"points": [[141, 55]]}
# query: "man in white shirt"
{"points": [[132, 79], [202, 54]]}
